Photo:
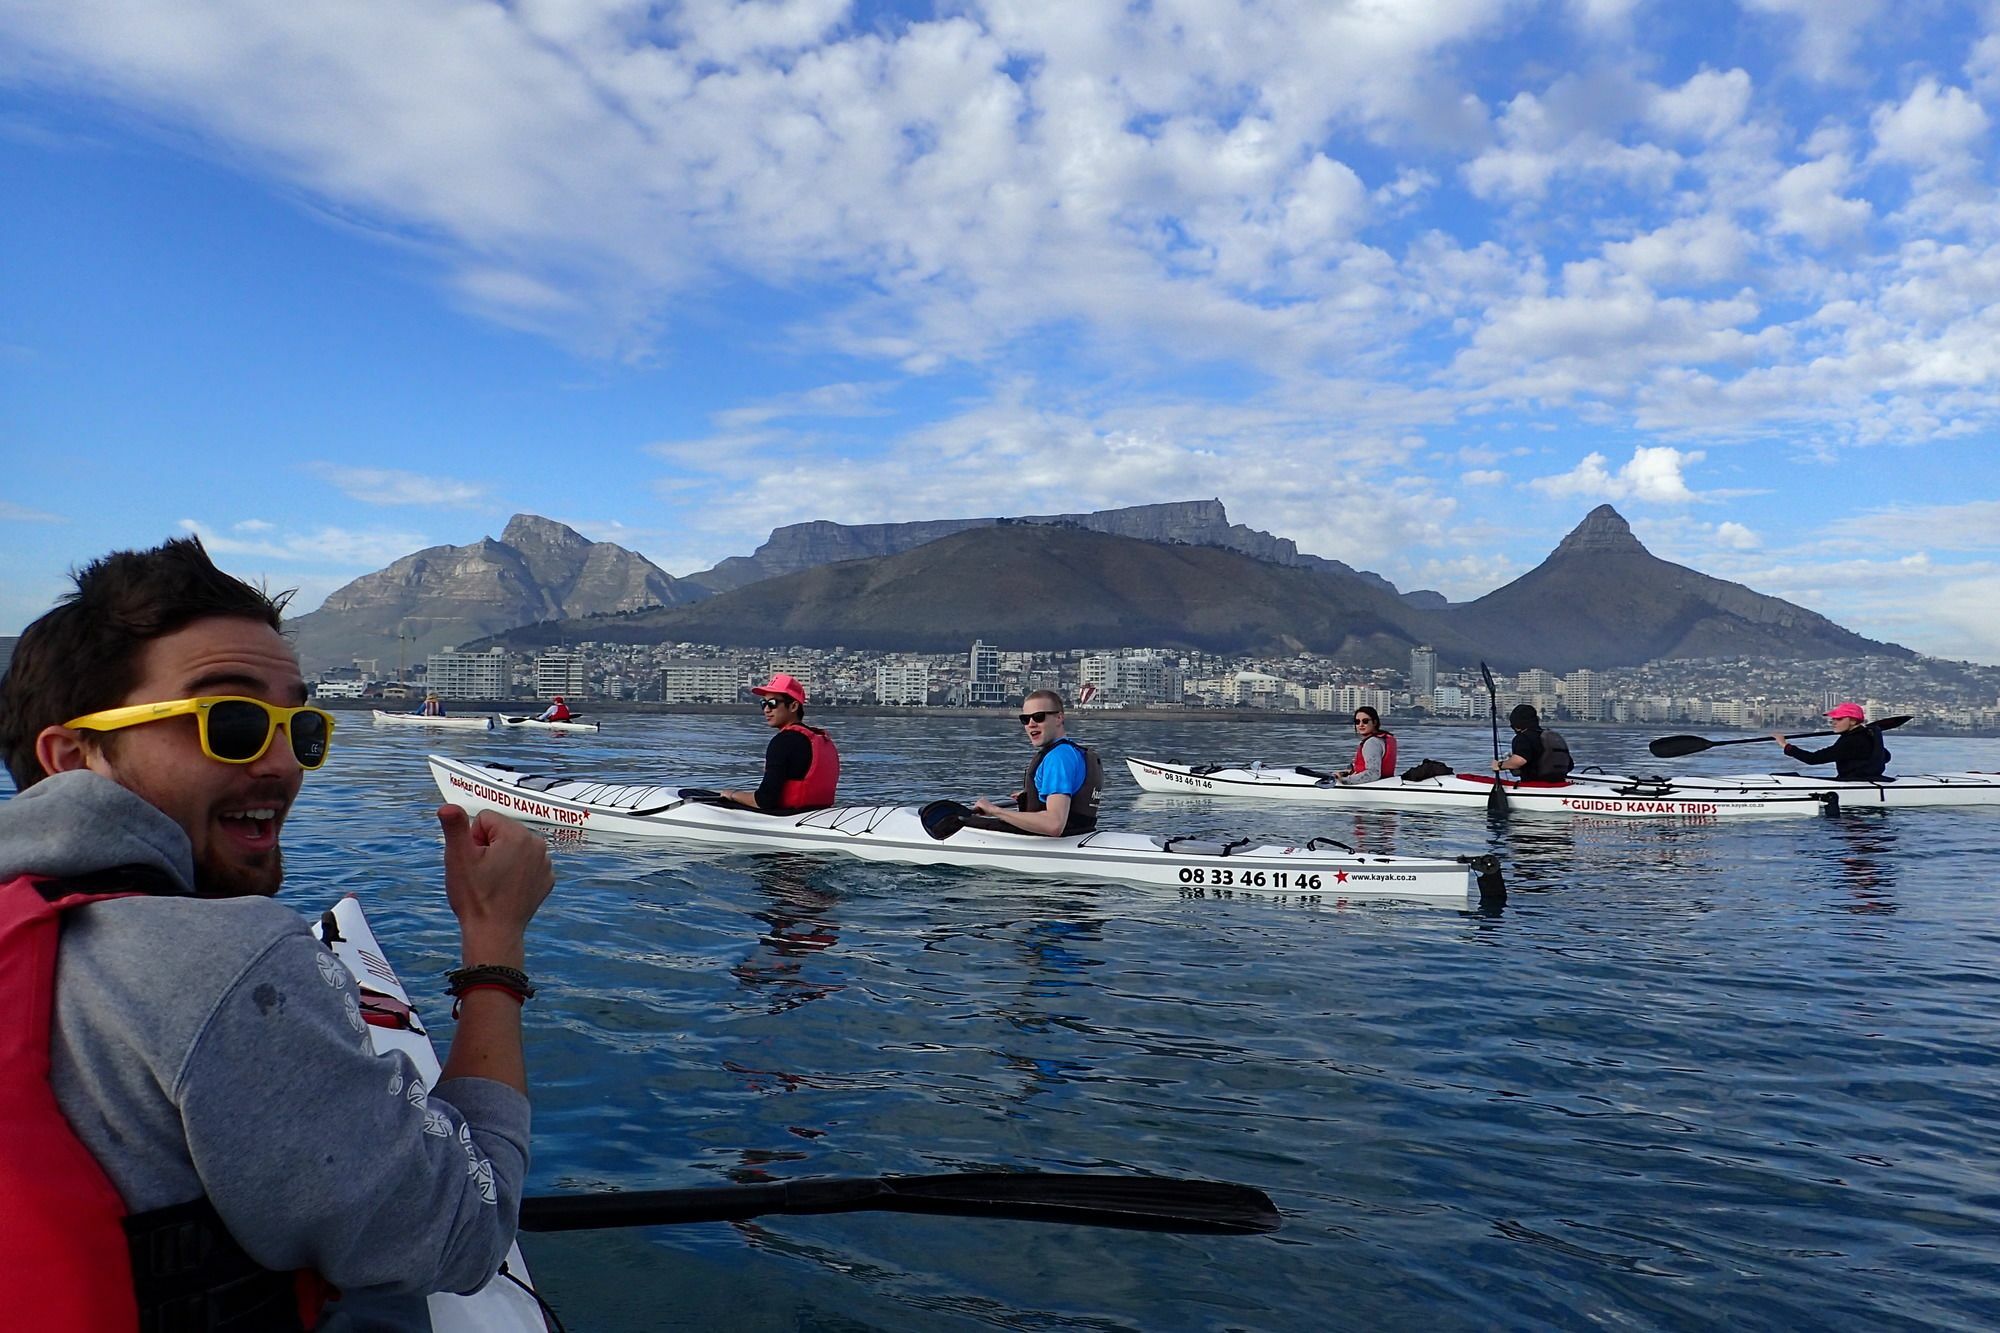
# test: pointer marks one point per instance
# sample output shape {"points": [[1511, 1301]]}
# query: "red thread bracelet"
{"points": [[458, 996]]}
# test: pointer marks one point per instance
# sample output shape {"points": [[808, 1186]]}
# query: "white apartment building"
{"points": [[903, 683], [1258, 689], [340, 689], [700, 680], [561, 673], [1535, 681], [1133, 678], [1347, 698], [456, 675], [983, 688], [1583, 696]]}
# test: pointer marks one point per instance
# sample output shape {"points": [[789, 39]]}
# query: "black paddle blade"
{"points": [[1135, 1203], [1492, 883], [1673, 747], [941, 819], [1496, 800]]}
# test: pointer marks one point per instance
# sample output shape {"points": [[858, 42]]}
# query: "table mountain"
{"points": [[1043, 586], [802, 546], [443, 595], [1602, 599]]}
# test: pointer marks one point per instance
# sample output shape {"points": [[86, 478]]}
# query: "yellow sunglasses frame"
{"points": [[135, 715]]}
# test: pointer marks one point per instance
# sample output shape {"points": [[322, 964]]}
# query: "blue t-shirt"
{"points": [[1061, 772]]}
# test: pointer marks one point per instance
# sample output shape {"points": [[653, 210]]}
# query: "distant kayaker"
{"points": [[1059, 790], [1857, 753], [557, 711], [432, 706], [801, 765], [213, 1093], [1375, 756], [1539, 754]]}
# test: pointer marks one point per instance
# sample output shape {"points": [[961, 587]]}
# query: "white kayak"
{"points": [[536, 724], [1904, 790], [502, 1305], [461, 722], [1606, 797], [1321, 872]]}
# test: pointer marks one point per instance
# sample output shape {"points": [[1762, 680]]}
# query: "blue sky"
{"points": [[1416, 285]]}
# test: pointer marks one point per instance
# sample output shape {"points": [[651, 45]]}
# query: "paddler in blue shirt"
{"points": [[1857, 753], [1058, 796]]}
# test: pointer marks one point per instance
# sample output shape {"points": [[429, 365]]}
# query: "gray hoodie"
{"points": [[203, 1046]]}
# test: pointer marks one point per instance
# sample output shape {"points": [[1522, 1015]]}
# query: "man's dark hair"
{"points": [[1524, 718], [84, 655]]}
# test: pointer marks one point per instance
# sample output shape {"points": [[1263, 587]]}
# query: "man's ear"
{"points": [[61, 750]]}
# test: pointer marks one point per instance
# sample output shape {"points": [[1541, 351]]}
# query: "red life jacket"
{"points": [[814, 791], [69, 1250], [561, 712], [1388, 756], [62, 1242]]}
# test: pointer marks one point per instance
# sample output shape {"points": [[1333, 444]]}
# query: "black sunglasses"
{"points": [[1042, 716], [768, 704]]}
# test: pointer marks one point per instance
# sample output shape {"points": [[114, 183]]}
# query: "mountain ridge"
{"points": [[1600, 599], [441, 596]]}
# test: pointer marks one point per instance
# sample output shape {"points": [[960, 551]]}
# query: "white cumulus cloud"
{"points": [[1653, 474]]}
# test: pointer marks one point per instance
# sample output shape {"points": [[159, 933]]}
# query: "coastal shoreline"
{"points": [[1081, 717]]}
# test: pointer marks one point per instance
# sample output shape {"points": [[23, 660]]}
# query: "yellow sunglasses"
{"points": [[234, 730]]}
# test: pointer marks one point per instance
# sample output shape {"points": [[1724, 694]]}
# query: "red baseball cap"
{"points": [[1847, 710], [783, 684]]}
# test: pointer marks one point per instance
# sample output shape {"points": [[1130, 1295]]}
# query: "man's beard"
{"points": [[212, 881]]}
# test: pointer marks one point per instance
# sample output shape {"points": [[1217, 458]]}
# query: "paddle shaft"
{"points": [[1496, 800], [1673, 747], [1141, 1203]]}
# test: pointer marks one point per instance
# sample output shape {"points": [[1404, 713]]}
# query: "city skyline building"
{"points": [[457, 675]]}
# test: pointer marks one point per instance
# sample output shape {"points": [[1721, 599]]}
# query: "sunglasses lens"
{"points": [[310, 738], [237, 730]]}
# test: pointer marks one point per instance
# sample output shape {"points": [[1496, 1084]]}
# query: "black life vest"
{"points": [[1554, 763], [1083, 804]]}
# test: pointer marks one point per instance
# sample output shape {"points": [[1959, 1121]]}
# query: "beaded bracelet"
{"points": [[511, 979]]}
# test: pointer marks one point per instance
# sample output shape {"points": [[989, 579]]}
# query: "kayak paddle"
{"points": [[1136, 1203], [1496, 800], [1673, 747]]}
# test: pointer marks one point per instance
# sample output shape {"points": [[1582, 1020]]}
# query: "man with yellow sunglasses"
{"points": [[156, 725]]}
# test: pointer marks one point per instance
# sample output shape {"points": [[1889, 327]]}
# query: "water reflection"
{"points": [[1867, 861], [799, 926]]}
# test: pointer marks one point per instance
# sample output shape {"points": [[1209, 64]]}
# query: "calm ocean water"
{"points": [[1731, 1076]]}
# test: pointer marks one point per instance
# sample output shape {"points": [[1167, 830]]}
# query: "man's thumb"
{"points": [[457, 826]]}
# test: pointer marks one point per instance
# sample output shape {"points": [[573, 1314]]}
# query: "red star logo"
{"points": [[1340, 877]]}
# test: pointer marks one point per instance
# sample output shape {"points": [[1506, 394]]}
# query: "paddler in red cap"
{"points": [[801, 767], [1857, 752]]}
